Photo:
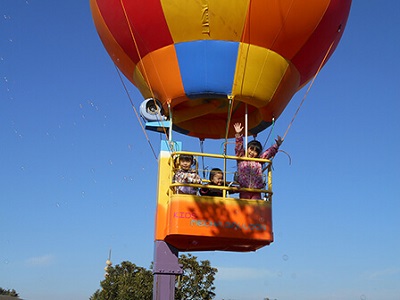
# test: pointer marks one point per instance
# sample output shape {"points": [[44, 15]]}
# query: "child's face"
{"points": [[252, 152], [185, 163], [217, 179]]}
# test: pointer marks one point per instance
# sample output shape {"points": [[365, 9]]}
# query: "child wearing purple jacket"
{"points": [[250, 173]]}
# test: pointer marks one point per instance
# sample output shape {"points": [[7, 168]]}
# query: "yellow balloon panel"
{"points": [[205, 19], [259, 72]]}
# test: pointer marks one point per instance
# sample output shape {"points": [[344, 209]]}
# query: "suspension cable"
{"points": [[308, 89], [135, 110], [247, 49], [202, 157], [270, 132], [146, 77], [228, 120]]}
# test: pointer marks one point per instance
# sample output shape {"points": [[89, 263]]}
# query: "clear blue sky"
{"points": [[77, 175]]}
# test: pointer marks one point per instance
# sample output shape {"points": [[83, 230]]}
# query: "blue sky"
{"points": [[78, 176]]}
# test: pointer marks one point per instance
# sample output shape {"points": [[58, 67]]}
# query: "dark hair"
{"points": [[256, 145], [215, 171], [186, 157]]}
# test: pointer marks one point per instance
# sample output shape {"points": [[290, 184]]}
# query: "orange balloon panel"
{"points": [[194, 55], [195, 223]]}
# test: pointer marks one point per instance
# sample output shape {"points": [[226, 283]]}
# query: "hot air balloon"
{"points": [[206, 64], [205, 61], [203, 65]]}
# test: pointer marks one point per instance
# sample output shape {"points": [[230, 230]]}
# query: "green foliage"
{"points": [[11, 293], [126, 282], [130, 282], [197, 280]]}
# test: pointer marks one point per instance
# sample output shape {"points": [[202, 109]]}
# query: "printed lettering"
{"points": [[184, 215], [228, 225]]}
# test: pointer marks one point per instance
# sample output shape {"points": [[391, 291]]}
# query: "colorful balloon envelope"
{"points": [[208, 62]]}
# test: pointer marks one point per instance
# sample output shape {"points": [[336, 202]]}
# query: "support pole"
{"points": [[166, 268], [170, 127], [246, 128]]}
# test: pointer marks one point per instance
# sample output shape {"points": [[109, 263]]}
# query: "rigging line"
{"points": [[146, 77], [270, 132], [308, 89], [136, 46], [244, 66], [271, 46], [228, 120], [287, 154], [136, 113], [247, 29], [273, 43], [202, 157], [170, 142]]}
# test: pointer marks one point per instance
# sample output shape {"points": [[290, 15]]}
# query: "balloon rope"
{"points": [[202, 158], [308, 89], [246, 128], [228, 120], [136, 113], [270, 132], [136, 46], [140, 59], [267, 56]]}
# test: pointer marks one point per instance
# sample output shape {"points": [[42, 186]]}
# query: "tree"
{"points": [[128, 281], [11, 293], [125, 282], [197, 280]]}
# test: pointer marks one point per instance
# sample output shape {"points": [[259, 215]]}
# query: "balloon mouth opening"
{"points": [[213, 117]]}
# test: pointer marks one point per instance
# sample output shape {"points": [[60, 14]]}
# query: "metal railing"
{"points": [[228, 165]]}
